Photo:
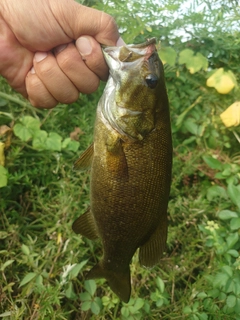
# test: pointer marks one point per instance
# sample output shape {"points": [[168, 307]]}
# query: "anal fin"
{"points": [[85, 160], [151, 252], [85, 225]]}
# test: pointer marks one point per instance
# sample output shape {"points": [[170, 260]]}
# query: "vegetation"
{"points": [[42, 262]]}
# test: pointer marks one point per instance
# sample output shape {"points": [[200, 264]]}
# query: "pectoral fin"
{"points": [[85, 160], [151, 252], [116, 159], [85, 225]]}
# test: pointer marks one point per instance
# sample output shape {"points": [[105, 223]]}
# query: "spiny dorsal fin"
{"points": [[85, 225], [151, 252], [85, 160]]}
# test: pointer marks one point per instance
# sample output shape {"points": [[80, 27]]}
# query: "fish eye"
{"points": [[151, 81]]}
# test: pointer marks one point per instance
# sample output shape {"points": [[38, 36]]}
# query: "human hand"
{"points": [[38, 53]]}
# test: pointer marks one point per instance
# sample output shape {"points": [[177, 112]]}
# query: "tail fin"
{"points": [[119, 282]]}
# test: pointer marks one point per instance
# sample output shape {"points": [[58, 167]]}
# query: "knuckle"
{"points": [[38, 95], [69, 97]]}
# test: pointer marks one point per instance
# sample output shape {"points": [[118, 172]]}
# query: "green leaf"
{"points": [[26, 129], [39, 280], [3, 176], [220, 280], [187, 310], [86, 305], [30, 276], [6, 264], [228, 270], [70, 145], [4, 234], [76, 269], [6, 314], [125, 312], [213, 163], [193, 62], [216, 192], [138, 304], [25, 249], [22, 132], [185, 55], [231, 301], [168, 55], [160, 284], [233, 253], [96, 306], [235, 224], [191, 125], [90, 286], [227, 214], [232, 239], [234, 194], [30, 122], [85, 296], [70, 294], [202, 295], [53, 142], [203, 316], [39, 140], [66, 142]]}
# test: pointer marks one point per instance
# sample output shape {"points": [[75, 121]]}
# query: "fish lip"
{"points": [[112, 53], [148, 42]]}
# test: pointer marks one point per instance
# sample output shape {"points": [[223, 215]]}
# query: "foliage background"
{"points": [[42, 262]]}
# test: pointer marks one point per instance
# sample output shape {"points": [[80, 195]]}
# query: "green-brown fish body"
{"points": [[131, 160]]}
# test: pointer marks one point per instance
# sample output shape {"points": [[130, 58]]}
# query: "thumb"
{"points": [[77, 20]]}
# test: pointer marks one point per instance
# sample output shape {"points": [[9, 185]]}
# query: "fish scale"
{"points": [[131, 160]]}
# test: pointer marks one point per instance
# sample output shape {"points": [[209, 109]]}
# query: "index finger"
{"points": [[87, 21]]}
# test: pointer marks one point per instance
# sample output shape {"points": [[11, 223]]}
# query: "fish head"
{"points": [[134, 88]]}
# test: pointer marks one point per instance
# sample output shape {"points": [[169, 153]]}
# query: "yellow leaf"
{"points": [[2, 156], [222, 81], [231, 116], [59, 238], [148, 28]]}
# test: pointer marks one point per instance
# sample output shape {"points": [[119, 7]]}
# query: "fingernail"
{"points": [[60, 48], [39, 56], [84, 46], [32, 71], [120, 42]]}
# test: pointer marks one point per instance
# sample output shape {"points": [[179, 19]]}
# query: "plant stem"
{"points": [[13, 99]]}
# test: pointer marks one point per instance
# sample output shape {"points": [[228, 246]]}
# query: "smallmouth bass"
{"points": [[131, 161]]}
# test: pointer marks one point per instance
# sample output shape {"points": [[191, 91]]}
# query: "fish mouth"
{"points": [[131, 123], [133, 53]]}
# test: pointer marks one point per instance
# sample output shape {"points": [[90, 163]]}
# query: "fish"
{"points": [[130, 163]]}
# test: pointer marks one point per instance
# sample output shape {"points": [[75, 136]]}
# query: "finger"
{"points": [[38, 95], [53, 78], [86, 21], [91, 52], [73, 66], [15, 61]]}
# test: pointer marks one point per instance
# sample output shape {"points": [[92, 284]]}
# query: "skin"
{"points": [[43, 43]]}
